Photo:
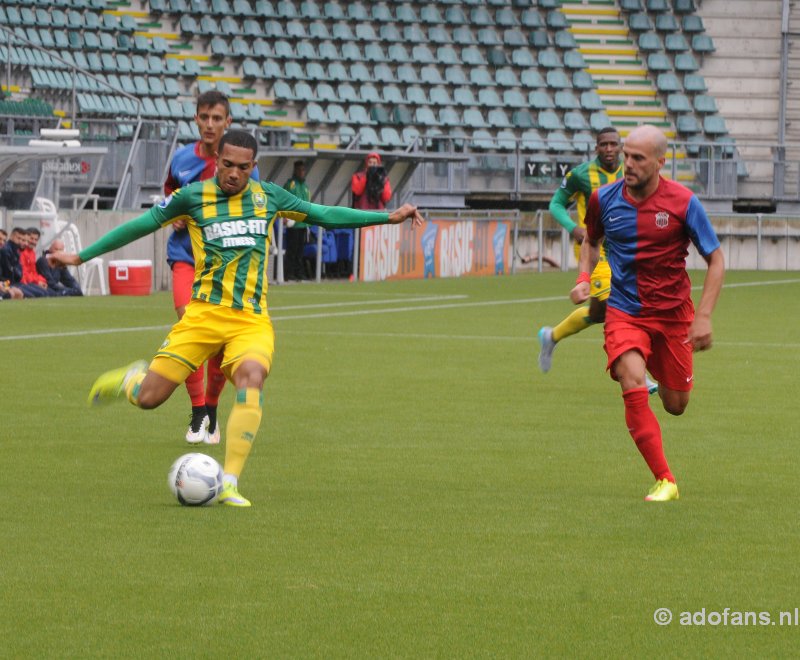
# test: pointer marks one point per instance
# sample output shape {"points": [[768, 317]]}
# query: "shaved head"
{"points": [[648, 136]]}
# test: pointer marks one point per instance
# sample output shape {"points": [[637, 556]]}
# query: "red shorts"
{"points": [[182, 280], [663, 344]]}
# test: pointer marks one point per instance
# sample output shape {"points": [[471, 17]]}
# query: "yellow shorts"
{"points": [[206, 330], [601, 280]]}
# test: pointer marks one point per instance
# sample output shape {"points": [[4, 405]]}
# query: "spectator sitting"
{"points": [[3, 237], [59, 280], [27, 259], [11, 268], [9, 292]]}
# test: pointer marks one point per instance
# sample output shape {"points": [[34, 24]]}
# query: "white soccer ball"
{"points": [[195, 479]]}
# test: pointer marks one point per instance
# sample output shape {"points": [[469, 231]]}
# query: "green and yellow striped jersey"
{"points": [[577, 187], [231, 235]]}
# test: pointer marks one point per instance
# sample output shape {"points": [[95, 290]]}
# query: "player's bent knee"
{"points": [[675, 405]]}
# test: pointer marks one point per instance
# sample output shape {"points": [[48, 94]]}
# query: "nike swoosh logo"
{"points": [[619, 217], [690, 379]]}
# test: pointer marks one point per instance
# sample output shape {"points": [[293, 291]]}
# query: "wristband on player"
{"points": [[583, 277]]}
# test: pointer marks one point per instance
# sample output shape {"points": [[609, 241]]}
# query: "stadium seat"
{"points": [[496, 57], [369, 93], [506, 17], [440, 95], [463, 35], [692, 23], [564, 39], [523, 119], [548, 59], [489, 98], [557, 79], [472, 55], [532, 79], [582, 80], [566, 100], [482, 139], [513, 98], [667, 23], [599, 120], [455, 75], [415, 95], [539, 39], [531, 141], [498, 118], [558, 141], [464, 97], [316, 72], [657, 5], [379, 115], [383, 73], [347, 93], [650, 42], [705, 104], [506, 140], [392, 95], [540, 100], [402, 115], [678, 103], [506, 77], [358, 115], [336, 114], [683, 6], [430, 74], [293, 70], [531, 18], [693, 82], [556, 20], [590, 101], [424, 116], [304, 92], [480, 16], [407, 73], [474, 118], [453, 16], [488, 37], [480, 76], [658, 62], [575, 121], [583, 142], [640, 23], [668, 82], [630, 5], [447, 55], [390, 138], [327, 51], [702, 43], [549, 121], [574, 60], [521, 57], [398, 53], [449, 117], [514, 38], [685, 62], [405, 13]]}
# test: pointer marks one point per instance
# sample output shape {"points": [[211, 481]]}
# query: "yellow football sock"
{"points": [[573, 324], [243, 424]]}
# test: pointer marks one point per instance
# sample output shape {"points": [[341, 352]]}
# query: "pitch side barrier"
{"points": [[751, 241]]}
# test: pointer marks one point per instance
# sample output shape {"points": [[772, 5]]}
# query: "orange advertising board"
{"points": [[441, 248]]}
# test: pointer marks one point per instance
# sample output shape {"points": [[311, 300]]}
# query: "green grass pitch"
{"points": [[420, 489]]}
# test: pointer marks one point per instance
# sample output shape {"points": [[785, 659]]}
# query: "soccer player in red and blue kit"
{"points": [[651, 324], [198, 162]]}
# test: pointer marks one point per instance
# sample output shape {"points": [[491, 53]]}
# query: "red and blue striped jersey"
{"points": [[646, 245]]}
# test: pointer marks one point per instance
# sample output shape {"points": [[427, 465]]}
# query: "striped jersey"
{"points": [[230, 235], [647, 244]]}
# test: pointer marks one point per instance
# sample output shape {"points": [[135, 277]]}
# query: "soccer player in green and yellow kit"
{"points": [[228, 218]]}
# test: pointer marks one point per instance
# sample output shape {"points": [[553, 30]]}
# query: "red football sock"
{"points": [[646, 432], [216, 380], [194, 385]]}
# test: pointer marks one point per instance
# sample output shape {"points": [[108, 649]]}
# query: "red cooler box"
{"points": [[131, 277]]}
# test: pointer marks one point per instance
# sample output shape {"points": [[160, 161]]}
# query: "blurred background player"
{"points": [[230, 219], [293, 266], [646, 222], [197, 162]]}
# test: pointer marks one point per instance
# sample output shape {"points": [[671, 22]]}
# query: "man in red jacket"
{"points": [[370, 186]]}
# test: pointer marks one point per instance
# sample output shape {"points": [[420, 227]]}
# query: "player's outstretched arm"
{"points": [[589, 256], [700, 334], [406, 212], [61, 258]]}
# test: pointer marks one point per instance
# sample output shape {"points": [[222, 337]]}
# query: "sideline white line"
{"points": [[366, 302], [393, 310]]}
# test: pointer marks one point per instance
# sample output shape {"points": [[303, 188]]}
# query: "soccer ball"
{"points": [[195, 479]]}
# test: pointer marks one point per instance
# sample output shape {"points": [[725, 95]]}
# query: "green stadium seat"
{"points": [[449, 117], [480, 16], [295, 29], [402, 115], [338, 72], [506, 140], [389, 138], [438, 34], [687, 125], [539, 99], [505, 17], [667, 23], [557, 79], [678, 103], [532, 79], [430, 74], [379, 114], [513, 98], [574, 60], [407, 73], [398, 53], [389, 32], [548, 120], [702, 43], [683, 6], [392, 95], [489, 37], [489, 98], [463, 36], [447, 55], [482, 139], [506, 77], [556, 20], [240, 8], [336, 114], [453, 16], [599, 120], [464, 97], [424, 116], [575, 121], [558, 141], [693, 82], [521, 57], [329, 51], [318, 30], [309, 9], [549, 59], [316, 72], [473, 118], [705, 104], [342, 32], [415, 95], [685, 62], [591, 101], [440, 95], [405, 14], [357, 114], [566, 100], [692, 23], [582, 80], [522, 119], [657, 62], [481, 77], [657, 5], [650, 42], [514, 38], [498, 118], [676, 43], [352, 53], [530, 140], [357, 12], [381, 13], [293, 70], [333, 11], [383, 73], [497, 57], [630, 5], [640, 23], [473, 56], [374, 53], [531, 18], [455, 75], [668, 82], [564, 39]]}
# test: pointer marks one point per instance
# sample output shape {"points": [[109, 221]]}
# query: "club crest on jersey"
{"points": [[259, 200], [662, 219]]}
